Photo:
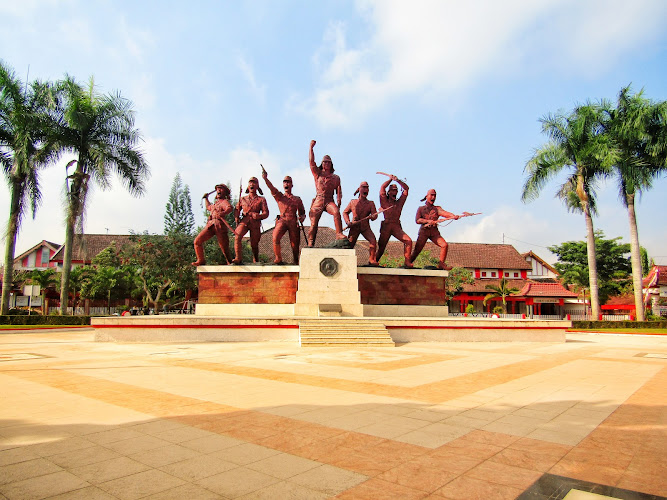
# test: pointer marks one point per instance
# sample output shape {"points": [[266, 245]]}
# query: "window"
{"points": [[483, 274], [493, 274], [45, 256], [516, 275], [507, 275]]}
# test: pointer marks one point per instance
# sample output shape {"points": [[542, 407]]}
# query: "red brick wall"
{"points": [[382, 289], [247, 288]]}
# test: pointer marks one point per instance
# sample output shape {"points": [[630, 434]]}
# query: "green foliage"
{"points": [[470, 309], [629, 325], [498, 310], [612, 263], [45, 278], [502, 290], [162, 263], [35, 319], [454, 282], [27, 128], [100, 130], [178, 217]]}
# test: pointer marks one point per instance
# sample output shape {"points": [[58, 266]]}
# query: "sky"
{"points": [[443, 94]]}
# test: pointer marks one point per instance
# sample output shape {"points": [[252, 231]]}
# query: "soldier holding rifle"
{"points": [[288, 205], [391, 225], [363, 210], [428, 216], [249, 213], [216, 225]]}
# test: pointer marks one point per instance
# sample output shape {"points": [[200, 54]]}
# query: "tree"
{"points": [[26, 146], [162, 263], [502, 290], [45, 278], [178, 217], [576, 144], [613, 265], [638, 128], [455, 280], [100, 130]]}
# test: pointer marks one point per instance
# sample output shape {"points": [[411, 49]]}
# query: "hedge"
{"points": [[11, 319], [592, 325]]}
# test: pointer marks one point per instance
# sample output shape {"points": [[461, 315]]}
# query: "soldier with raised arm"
{"points": [[391, 225], [363, 211], [428, 217], [286, 221], [216, 225], [249, 213], [326, 184]]}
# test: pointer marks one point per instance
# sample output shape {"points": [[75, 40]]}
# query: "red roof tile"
{"points": [[87, 246], [532, 289]]}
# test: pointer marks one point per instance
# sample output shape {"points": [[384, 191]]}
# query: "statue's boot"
{"points": [[199, 252]]}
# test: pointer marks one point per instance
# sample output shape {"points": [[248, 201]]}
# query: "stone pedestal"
{"points": [[328, 283]]}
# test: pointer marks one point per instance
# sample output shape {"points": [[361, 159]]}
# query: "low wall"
{"points": [[179, 328]]}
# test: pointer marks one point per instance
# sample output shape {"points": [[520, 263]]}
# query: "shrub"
{"points": [[44, 320]]}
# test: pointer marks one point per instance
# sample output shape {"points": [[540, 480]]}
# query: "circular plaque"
{"points": [[328, 266]]}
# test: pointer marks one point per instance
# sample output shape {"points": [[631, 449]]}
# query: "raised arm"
{"points": [[311, 157], [339, 192], [271, 187], [404, 187]]}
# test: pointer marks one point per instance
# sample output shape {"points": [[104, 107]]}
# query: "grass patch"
{"points": [[640, 331]]}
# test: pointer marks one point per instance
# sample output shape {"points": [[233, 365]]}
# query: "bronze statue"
{"points": [[216, 225], [428, 216], [326, 184], [363, 210], [249, 213], [391, 225], [288, 205]]}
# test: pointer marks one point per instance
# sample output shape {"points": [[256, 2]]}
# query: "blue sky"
{"points": [[443, 94]]}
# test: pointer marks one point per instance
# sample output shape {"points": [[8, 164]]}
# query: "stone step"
{"points": [[349, 332]]}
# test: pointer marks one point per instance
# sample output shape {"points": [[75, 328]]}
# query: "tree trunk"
{"points": [[635, 259], [10, 249], [592, 263], [73, 211]]}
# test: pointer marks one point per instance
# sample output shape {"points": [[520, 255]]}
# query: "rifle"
{"points": [[451, 219], [303, 230], [367, 217], [237, 216]]}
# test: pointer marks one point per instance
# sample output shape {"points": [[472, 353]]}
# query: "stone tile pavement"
{"points": [[86, 420]]}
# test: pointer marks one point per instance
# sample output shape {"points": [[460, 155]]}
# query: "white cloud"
{"points": [[441, 48], [259, 91]]}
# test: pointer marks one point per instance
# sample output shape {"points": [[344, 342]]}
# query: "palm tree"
{"points": [[639, 130], [26, 146], [45, 278], [577, 143], [100, 129], [503, 290]]}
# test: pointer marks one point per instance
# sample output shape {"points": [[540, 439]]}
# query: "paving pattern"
{"points": [[87, 420]]}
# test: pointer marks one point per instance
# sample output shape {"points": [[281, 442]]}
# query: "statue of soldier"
{"points": [[249, 213], [391, 225], [216, 225], [428, 217], [326, 184], [288, 205], [363, 210]]}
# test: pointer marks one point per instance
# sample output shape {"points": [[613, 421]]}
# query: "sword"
{"points": [[389, 175]]}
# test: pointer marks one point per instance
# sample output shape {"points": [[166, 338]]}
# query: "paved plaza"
{"points": [[89, 420]]}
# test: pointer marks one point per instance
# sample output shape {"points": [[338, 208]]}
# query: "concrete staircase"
{"points": [[352, 332]]}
